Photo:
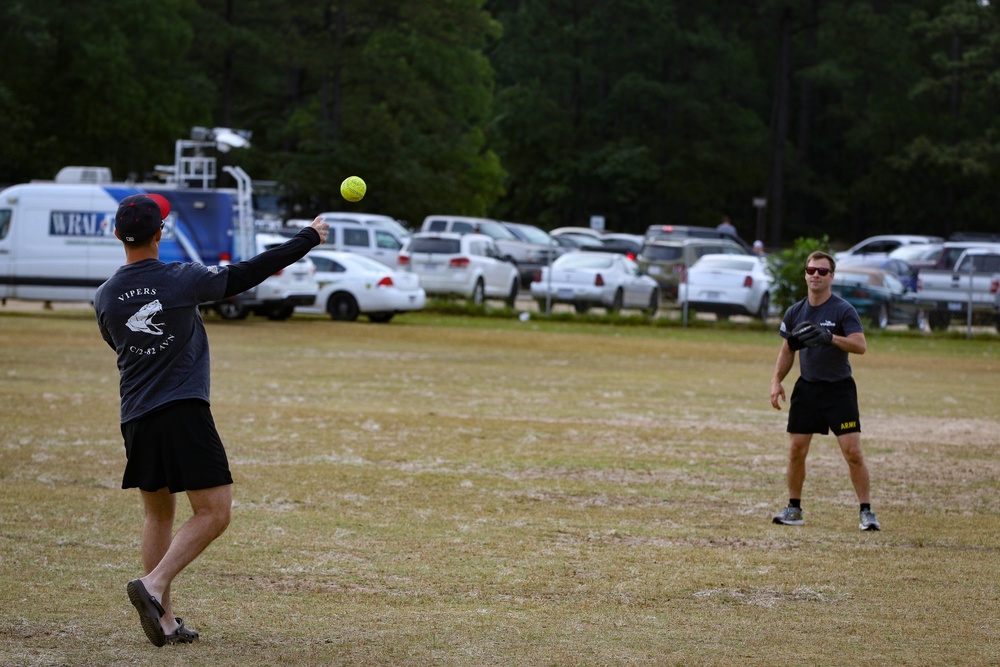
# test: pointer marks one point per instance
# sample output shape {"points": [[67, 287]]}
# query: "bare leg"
{"points": [[211, 518], [797, 452], [850, 446], [157, 532]]}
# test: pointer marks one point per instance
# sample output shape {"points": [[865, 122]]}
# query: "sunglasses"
{"points": [[816, 269]]}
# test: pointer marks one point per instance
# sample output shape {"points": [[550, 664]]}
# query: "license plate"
{"points": [[955, 305], [431, 267], [653, 270], [713, 296], [564, 294], [300, 276]]}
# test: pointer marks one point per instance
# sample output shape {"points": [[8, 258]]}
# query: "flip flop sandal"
{"points": [[182, 635], [149, 610]]}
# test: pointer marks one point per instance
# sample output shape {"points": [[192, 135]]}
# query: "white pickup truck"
{"points": [[973, 281]]}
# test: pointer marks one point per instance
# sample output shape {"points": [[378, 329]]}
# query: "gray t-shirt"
{"points": [[825, 363], [148, 313]]}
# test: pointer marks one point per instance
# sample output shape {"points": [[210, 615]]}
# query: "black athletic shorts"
{"points": [[819, 407], [176, 447]]}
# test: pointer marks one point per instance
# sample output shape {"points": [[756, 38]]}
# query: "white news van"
{"points": [[57, 240]]}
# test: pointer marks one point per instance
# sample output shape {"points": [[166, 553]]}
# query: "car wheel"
{"points": [[342, 307], [512, 296], [939, 321], [616, 304], [380, 318], [765, 307], [541, 305], [479, 293], [654, 304], [230, 310], [920, 323], [881, 316], [279, 313]]}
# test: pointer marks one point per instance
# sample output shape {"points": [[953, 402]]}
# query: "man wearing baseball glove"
{"points": [[824, 329]]}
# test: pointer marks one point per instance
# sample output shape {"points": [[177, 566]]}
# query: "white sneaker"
{"points": [[790, 516], [868, 521]]}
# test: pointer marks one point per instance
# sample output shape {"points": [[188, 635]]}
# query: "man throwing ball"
{"points": [[824, 329], [148, 313]]}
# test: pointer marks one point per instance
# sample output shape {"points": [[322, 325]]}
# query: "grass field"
{"points": [[447, 490]]}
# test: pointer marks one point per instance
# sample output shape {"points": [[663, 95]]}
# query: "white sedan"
{"points": [[585, 279], [727, 285], [352, 284]]}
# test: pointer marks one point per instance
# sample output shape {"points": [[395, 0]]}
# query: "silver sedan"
{"points": [[606, 280]]}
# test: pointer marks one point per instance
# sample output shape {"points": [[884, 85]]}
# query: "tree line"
{"points": [[792, 117]]}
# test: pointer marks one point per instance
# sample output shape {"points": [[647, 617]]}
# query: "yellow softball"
{"points": [[353, 188]]}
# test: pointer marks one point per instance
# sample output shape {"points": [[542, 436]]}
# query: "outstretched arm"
{"points": [[252, 272]]}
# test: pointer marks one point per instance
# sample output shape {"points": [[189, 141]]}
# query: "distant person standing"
{"points": [[826, 329], [758, 248], [148, 312], [727, 227]]}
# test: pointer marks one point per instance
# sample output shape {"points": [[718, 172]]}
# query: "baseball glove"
{"points": [[810, 334]]}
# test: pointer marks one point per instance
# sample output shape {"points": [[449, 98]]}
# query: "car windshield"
{"points": [[536, 235], [393, 226], [734, 263], [908, 253], [496, 231], [582, 260], [436, 246], [893, 283], [662, 252]]}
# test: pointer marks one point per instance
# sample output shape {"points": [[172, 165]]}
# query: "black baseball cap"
{"points": [[139, 216]]}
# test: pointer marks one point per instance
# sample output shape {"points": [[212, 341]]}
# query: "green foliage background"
{"points": [[849, 118], [787, 267]]}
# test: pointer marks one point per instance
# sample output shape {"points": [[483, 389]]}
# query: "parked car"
{"points": [[626, 244], [371, 240], [586, 279], [879, 296], [277, 297], [464, 265], [537, 235], [352, 285], [971, 285], [673, 232], [665, 260], [897, 267], [951, 251], [578, 231], [919, 255], [388, 223], [549, 248], [727, 285], [578, 241], [526, 256], [886, 243]]}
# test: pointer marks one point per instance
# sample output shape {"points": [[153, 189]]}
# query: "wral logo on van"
{"points": [[81, 223]]}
